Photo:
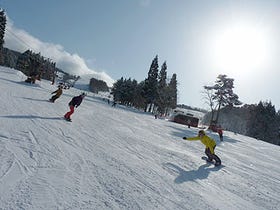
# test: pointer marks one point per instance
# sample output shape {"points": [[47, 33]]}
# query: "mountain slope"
{"points": [[119, 158]]}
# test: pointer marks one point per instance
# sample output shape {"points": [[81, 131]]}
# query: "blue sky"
{"points": [[198, 39]]}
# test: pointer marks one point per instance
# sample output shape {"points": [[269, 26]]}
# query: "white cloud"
{"points": [[20, 40]]}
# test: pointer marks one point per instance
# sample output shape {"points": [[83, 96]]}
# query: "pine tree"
{"points": [[129, 93], [153, 94], [23, 62], [117, 89], [161, 101], [3, 22], [263, 123], [128, 89], [151, 84], [172, 92], [139, 99], [223, 94]]}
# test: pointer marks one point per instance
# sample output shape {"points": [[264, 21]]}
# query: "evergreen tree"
{"points": [[34, 64], [23, 62], [10, 57], [3, 22], [223, 94], [151, 84], [162, 89], [139, 99], [172, 92], [127, 93], [132, 91], [153, 93], [263, 123], [117, 89]]}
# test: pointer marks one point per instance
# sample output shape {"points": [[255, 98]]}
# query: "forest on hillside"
{"points": [[260, 121]]}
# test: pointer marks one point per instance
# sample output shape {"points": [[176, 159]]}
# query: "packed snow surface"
{"points": [[120, 158]]}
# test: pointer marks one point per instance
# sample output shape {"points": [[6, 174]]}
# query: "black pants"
{"points": [[54, 98], [208, 153], [212, 156]]}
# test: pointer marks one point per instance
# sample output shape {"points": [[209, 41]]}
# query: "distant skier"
{"points": [[114, 104], [210, 146], [220, 132], [189, 123], [57, 95], [75, 102]]}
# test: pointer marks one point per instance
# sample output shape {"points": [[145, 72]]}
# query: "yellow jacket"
{"points": [[58, 92], [206, 140]]}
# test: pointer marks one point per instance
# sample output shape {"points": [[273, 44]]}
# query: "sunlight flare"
{"points": [[241, 49]]}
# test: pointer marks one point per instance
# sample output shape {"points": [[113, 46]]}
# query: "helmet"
{"points": [[83, 94], [201, 132]]}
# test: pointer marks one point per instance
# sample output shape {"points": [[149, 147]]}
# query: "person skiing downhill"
{"points": [[210, 146], [75, 102], [220, 132], [57, 95]]}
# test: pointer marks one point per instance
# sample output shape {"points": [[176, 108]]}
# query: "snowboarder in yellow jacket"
{"points": [[58, 93], [210, 145]]}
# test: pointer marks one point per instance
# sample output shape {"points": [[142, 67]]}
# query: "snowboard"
{"points": [[68, 120], [211, 162]]}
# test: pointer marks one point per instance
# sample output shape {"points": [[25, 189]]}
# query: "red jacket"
{"points": [[220, 131]]}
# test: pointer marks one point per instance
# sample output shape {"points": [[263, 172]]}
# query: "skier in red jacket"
{"points": [[220, 132]]}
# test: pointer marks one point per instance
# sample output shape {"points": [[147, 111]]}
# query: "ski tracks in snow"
{"points": [[19, 160]]}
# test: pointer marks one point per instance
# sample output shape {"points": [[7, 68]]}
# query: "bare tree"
{"points": [[220, 95]]}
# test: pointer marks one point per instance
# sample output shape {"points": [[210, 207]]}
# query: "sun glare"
{"points": [[240, 49]]}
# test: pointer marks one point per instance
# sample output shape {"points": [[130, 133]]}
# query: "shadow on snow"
{"points": [[184, 176], [31, 117]]}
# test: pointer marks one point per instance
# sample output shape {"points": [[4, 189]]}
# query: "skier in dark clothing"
{"points": [[220, 132], [114, 104], [75, 102]]}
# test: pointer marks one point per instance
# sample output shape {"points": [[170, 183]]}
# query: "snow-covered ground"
{"points": [[119, 158]]}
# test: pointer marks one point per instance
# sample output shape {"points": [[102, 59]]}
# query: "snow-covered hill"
{"points": [[119, 158]]}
